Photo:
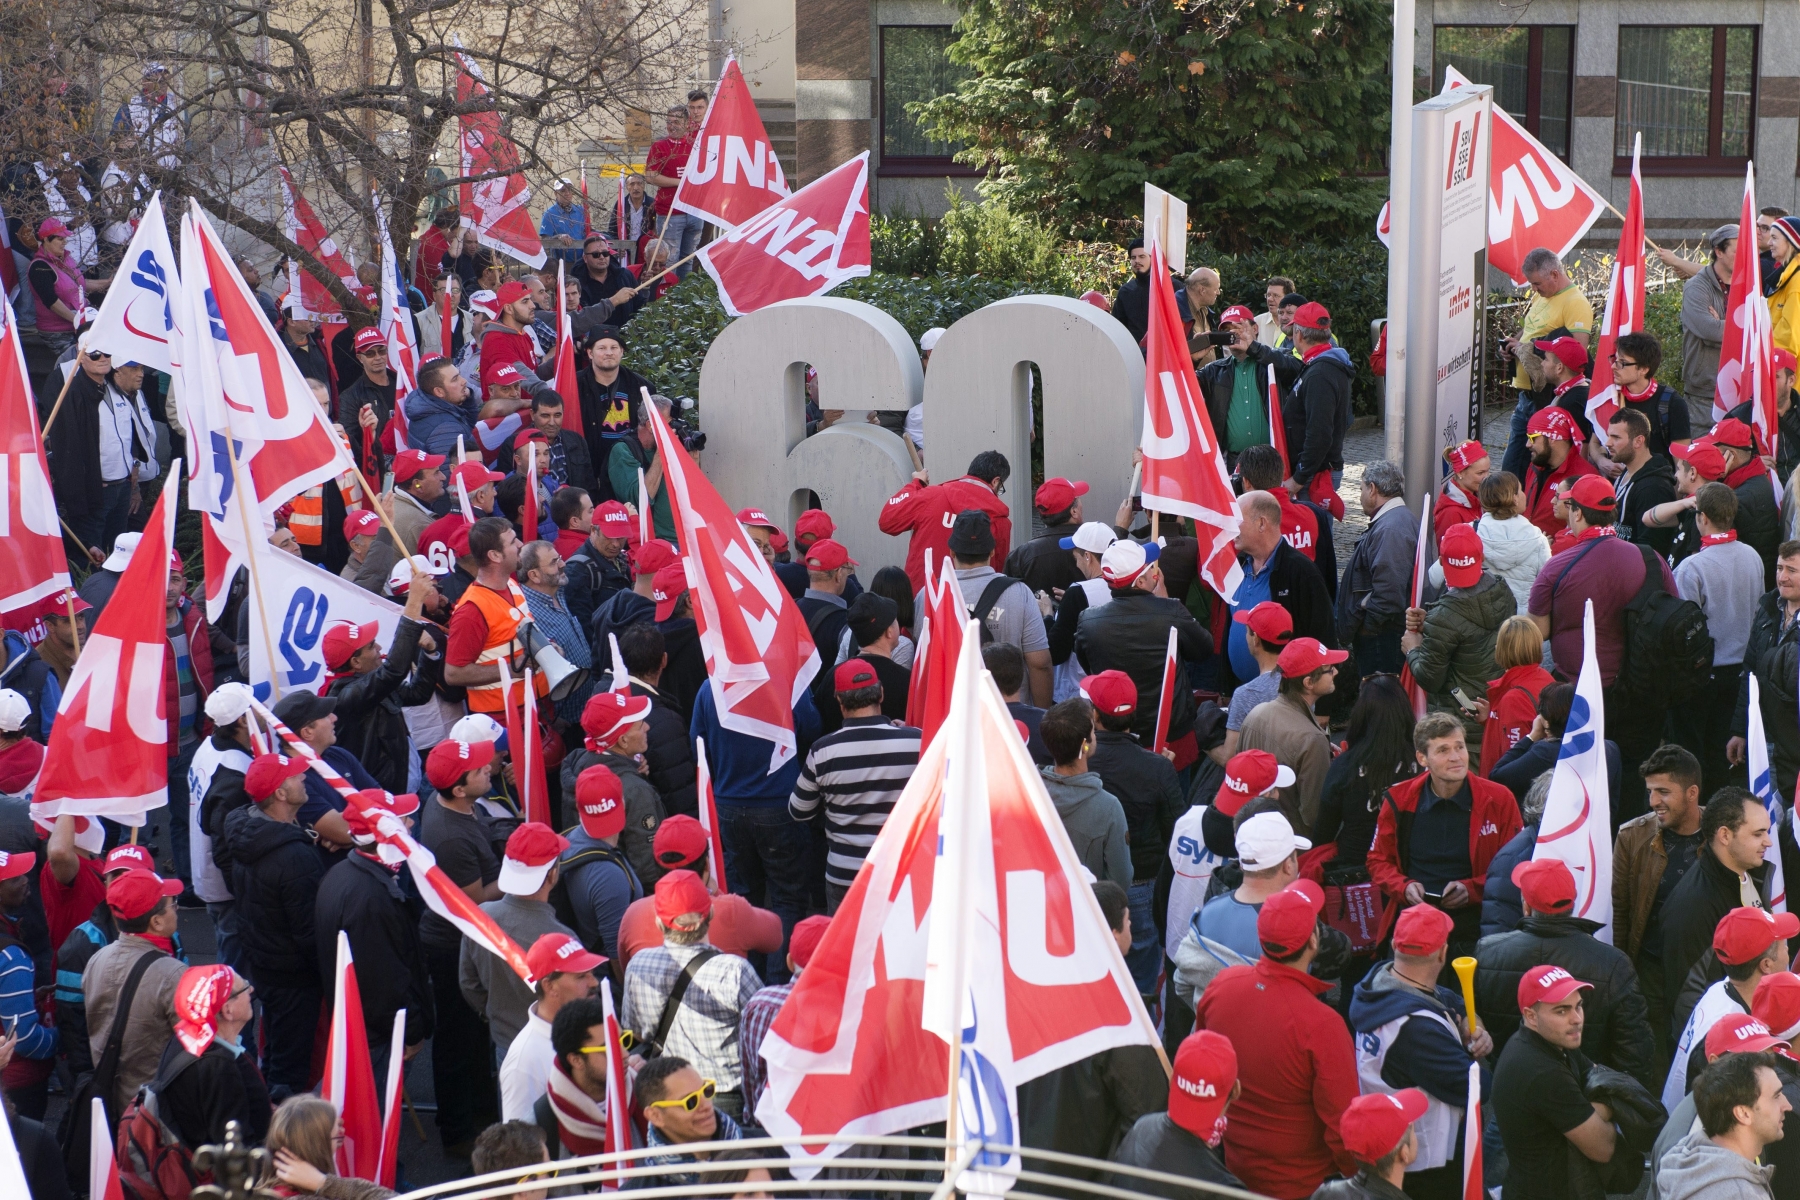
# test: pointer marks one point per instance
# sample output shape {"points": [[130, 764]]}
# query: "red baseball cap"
{"points": [[1704, 457], [360, 523], [408, 463], [1249, 774], [369, 336], [1546, 884], [1288, 917], [16, 864], [600, 802], [1547, 985], [806, 938], [652, 556], [124, 858], [1270, 622], [1591, 491], [1733, 434], [474, 476], [1373, 1126], [1461, 552], [510, 292], [756, 516], [609, 714], [451, 759], [505, 375], [1740, 1033], [1058, 495], [68, 599], [813, 524], [679, 840], [680, 893], [669, 586], [132, 894], [1571, 352], [344, 639], [613, 520], [852, 675], [1783, 360], [1112, 692], [1236, 314], [1553, 423], [1200, 1086], [1777, 1003], [1744, 934], [449, 532], [560, 954], [403, 805], [1303, 656], [529, 436], [827, 555], [1313, 315], [530, 852], [1462, 457], [267, 773], [1422, 930]]}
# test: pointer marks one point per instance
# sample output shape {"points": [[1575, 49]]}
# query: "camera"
{"points": [[692, 440], [1218, 337]]}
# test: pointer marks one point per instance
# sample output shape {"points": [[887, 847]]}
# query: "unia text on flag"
{"points": [[1624, 299], [1184, 466], [732, 172], [1762, 786], [803, 245], [306, 231], [1746, 367], [137, 314], [1415, 598], [567, 381], [349, 1080], [109, 749], [709, 819], [760, 657], [494, 197], [858, 1052], [34, 567], [1576, 825]]}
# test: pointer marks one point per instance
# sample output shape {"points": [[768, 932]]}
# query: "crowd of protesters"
{"points": [[1287, 880]]}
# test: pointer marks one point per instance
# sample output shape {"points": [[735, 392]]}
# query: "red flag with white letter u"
{"points": [[34, 570], [803, 246], [732, 173], [496, 204]]}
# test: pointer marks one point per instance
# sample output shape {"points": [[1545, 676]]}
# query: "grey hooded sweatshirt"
{"points": [[1095, 821], [1695, 1169]]}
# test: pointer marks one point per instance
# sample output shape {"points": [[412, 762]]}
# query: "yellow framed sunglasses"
{"points": [[691, 1101], [627, 1040]]}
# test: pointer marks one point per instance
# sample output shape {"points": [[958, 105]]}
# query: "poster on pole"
{"points": [[1446, 311], [1166, 224]]}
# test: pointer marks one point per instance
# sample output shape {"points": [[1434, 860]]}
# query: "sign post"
{"points": [[1166, 225], [1446, 280]]}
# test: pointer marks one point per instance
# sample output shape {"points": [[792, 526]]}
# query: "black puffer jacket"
{"points": [[612, 615], [1759, 520], [369, 721], [685, 675], [1217, 377], [1773, 654], [1317, 415], [1131, 634], [276, 869], [1618, 1023], [224, 796], [1147, 789], [644, 809], [1690, 917], [363, 898], [670, 755]]}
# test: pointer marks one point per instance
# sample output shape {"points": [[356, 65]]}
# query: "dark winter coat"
{"points": [[1653, 484], [593, 579], [1146, 787], [1690, 916], [644, 809], [1216, 379], [363, 898], [275, 876], [1317, 415], [197, 1096], [1773, 655], [1131, 634], [370, 723], [1502, 907], [433, 425], [1458, 648], [1377, 584]]}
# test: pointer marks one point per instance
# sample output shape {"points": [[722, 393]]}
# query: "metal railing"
{"points": [[874, 1168]]}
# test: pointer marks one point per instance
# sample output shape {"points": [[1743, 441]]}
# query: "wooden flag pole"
{"points": [[374, 499], [74, 625], [76, 538], [644, 283], [57, 407]]}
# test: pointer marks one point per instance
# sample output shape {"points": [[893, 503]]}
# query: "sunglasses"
{"points": [[627, 1040], [691, 1101], [97, 355], [597, 254]]}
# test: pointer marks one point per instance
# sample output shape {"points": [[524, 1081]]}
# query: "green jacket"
{"points": [[622, 467], [1458, 650]]}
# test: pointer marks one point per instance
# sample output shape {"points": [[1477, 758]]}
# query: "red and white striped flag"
{"points": [[709, 819], [396, 326], [1278, 427], [1472, 1187], [1746, 369], [1624, 301], [527, 750], [306, 231], [1165, 704], [349, 1081]]}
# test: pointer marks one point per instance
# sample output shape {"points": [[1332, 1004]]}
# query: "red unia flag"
{"points": [[305, 230], [1016, 964], [618, 1083], [759, 655], [109, 749], [804, 245], [940, 645], [567, 382], [1746, 370], [1184, 469], [732, 173], [1165, 703], [709, 817], [1624, 300], [396, 322], [34, 570], [349, 1080], [495, 199]]}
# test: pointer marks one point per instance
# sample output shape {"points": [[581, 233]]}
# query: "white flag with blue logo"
{"points": [[137, 316], [1762, 784], [1577, 822], [304, 601]]}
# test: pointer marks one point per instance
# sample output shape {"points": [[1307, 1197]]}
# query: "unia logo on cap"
{"points": [[1198, 1088], [606, 805], [1751, 1029], [1466, 561], [1236, 784], [1553, 975], [568, 949]]}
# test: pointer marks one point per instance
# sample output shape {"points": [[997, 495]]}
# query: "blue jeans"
{"points": [[1518, 455], [1145, 959], [681, 234], [225, 934], [767, 854]]}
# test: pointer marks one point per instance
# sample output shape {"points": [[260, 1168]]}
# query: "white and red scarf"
{"points": [[580, 1119]]}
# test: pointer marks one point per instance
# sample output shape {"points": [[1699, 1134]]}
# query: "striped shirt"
{"points": [[858, 773], [753, 1027]]}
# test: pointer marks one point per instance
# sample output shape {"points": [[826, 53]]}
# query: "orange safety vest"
{"points": [[502, 613], [306, 520]]}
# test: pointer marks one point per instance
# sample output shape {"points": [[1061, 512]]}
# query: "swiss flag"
{"points": [[1184, 470], [760, 656], [349, 1081], [940, 645], [804, 245], [34, 569], [306, 231], [1017, 957], [732, 173], [1624, 300], [109, 750], [497, 206]]}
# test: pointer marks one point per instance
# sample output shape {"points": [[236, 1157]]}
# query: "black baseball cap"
{"points": [[870, 616], [299, 709], [973, 534]]}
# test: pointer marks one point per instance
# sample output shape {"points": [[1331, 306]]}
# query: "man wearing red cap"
{"points": [[1544, 1116], [1184, 1139], [1045, 566], [564, 970], [143, 909], [1749, 944], [600, 567], [1287, 728], [738, 927], [1236, 384], [824, 606], [207, 1076], [1283, 1140], [1736, 1033], [1318, 413], [418, 482], [928, 512], [1384, 1132], [1787, 444], [1268, 627], [1618, 1033], [599, 882], [507, 340], [1553, 437], [762, 1008], [528, 874], [372, 688], [1758, 516], [617, 729]]}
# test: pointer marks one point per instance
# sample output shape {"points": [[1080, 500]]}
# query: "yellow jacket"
{"points": [[1784, 307]]}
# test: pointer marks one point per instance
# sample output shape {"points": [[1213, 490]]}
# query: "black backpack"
{"points": [[984, 603], [1668, 650]]}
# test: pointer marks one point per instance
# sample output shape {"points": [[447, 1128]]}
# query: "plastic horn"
{"points": [[1465, 971]]}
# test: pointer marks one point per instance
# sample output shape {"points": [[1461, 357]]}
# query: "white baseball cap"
{"points": [[14, 708], [486, 303], [1266, 840], [123, 545], [1123, 561], [477, 727], [929, 339], [228, 702], [399, 580], [1093, 536]]}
